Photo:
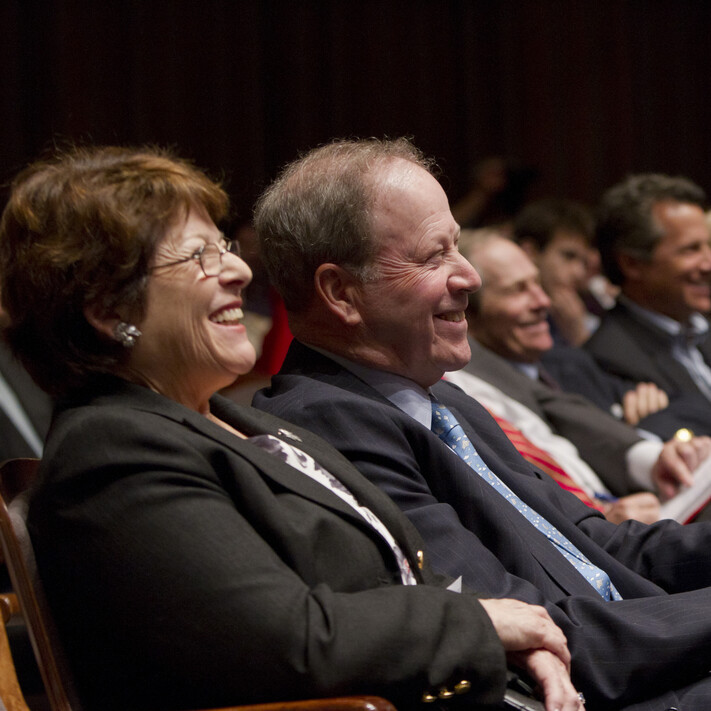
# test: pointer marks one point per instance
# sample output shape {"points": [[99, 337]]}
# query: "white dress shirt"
{"points": [[640, 457]]}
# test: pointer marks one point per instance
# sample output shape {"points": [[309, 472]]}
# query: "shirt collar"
{"points": [[402, 392], [697, 328], [530, 370]]}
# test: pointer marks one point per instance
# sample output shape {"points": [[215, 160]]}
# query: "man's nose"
{"points": [[580, 272], [467, 278], [541, 300], [705, 261]]}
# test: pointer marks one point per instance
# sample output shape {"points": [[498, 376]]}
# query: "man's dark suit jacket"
{"points": [[35, 403], [640, 352], [188, 568], [576, 371], [657, 639]]}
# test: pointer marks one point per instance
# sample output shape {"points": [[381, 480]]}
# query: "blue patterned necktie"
{"points": [[446, 427]]}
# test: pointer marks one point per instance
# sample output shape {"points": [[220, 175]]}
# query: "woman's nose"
{"points": [[234, 268]]}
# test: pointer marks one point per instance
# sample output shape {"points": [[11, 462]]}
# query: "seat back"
{"points": [[16, 476], [11, 697]]}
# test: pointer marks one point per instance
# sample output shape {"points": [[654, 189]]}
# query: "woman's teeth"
{"points": [[228, 316]]}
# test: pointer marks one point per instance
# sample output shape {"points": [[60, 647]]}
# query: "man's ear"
{"points": [[630, 266], [103, 320], [338, 290], [530, 248]]}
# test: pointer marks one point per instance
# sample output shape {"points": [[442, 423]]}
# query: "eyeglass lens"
{"points": [[211, 257]]}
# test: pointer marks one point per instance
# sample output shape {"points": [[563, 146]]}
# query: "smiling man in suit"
{"points": [[655, 244], [360, 242]]}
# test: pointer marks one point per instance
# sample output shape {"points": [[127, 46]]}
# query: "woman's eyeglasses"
{"points": [[209, 256]]}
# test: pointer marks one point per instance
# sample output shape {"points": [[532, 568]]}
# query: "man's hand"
{"points": [[535, 643], [552, 679], [569, 313], [676, 463], [523, 627], [644, 507], [643, 400]]}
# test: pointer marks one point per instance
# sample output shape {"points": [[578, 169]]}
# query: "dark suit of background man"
{"points": [[654, 243], [360, 242], [25, 410]]}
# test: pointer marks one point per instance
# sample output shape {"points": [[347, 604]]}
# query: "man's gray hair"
{"points": [[625, 222], [319, 210]]}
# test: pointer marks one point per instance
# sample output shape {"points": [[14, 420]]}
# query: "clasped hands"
{"points": [[533, 642]]}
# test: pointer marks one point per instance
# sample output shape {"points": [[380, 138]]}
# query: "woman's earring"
{"points": [[126, 334]]}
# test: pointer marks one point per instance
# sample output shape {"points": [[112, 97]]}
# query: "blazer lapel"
{"points": [[654, 343], [674, 371], [245, 419], [254, 422], [495, 370]]}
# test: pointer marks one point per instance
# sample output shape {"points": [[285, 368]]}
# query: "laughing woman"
{"points": [[215, 554]]}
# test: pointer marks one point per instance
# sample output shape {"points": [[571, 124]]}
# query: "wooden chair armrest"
{"points": [[344, 703], [9, 606]]}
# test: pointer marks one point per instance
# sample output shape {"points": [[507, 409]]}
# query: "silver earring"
{"points": [[126, 334]]}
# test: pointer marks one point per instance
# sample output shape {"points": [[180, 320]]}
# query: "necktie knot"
{"points": [[448, 429], [442, 419]]}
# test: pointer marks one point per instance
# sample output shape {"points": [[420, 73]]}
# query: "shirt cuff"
{"points": [[641, 457]]}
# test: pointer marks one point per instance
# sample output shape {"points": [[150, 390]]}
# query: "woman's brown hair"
{"points": [[80, 229]]}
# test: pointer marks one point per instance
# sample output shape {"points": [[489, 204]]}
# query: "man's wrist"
{"points": [[641, 458]]}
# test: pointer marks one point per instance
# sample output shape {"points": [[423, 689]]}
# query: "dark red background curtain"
{"points": [[581, 91]]}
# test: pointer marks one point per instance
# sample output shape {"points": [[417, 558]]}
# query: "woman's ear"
{"points": [[338, 290], [103, 320]]}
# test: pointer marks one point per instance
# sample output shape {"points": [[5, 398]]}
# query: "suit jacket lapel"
{"points": [[539, 546], [302, 360], [566, 576], [324, 369], [655, 344], [500, 374], [254, 422]]}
